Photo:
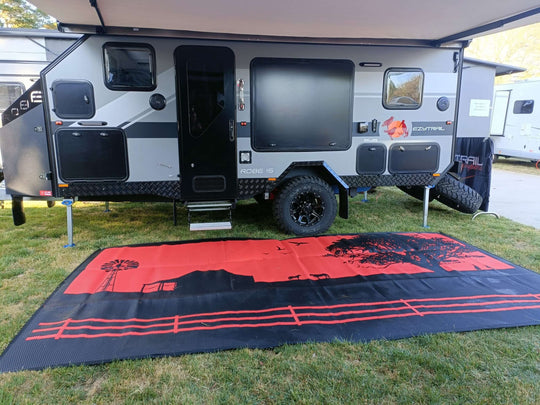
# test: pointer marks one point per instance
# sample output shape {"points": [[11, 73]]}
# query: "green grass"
{"points": [[490, 367]]}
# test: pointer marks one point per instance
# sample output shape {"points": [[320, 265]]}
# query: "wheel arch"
{"points": [[324, 171]]}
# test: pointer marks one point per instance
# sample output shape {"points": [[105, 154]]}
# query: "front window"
{"points": [[129, 67], [403, 89]]}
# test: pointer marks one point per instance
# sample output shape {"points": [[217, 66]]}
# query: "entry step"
{"points": [[203, 207], [209, 206], [210, 226]]}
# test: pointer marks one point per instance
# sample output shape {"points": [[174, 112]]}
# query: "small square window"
{"points": [[403, 89], [129, 67]]}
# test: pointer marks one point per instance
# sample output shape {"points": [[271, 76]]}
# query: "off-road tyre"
{"points": [[305, 206], [457, 195]]}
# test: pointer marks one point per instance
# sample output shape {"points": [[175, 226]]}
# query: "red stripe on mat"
{"points": [[174, 324]]}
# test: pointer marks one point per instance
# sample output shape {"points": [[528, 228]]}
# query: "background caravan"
{"points": [[209, 122], [515, 128]]}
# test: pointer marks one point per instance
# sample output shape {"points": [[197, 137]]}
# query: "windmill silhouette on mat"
{"points": [[113, 267]]}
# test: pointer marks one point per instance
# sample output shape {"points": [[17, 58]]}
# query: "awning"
{"points": [[433, 21]]}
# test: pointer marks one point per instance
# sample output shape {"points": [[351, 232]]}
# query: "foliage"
{"points": [[517, 47], [21, 14]]}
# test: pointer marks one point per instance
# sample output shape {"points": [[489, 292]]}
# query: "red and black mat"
{"points": [[185, 297]]}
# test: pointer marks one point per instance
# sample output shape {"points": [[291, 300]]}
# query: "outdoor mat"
{"points": [[199, 296]]}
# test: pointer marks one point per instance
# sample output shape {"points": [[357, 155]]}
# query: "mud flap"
{"points": [[344, 202], [343, 192]]}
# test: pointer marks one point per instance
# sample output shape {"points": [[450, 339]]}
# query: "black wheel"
{"points": [[457, 195], [416, 192], [305, 206]]}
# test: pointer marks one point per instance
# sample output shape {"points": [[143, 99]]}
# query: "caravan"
{"points": [[515, 127], [209, 122]]}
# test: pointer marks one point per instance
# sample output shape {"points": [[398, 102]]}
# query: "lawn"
{"points": [[497, 366]]}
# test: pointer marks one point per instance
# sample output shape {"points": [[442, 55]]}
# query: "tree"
{"points": [[518, 47], [428, 251], [21, 14]]}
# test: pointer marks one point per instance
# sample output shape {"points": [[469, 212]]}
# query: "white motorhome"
{"points": [[254, 104], [515, 126]]}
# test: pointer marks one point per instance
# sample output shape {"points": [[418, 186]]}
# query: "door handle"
{"points": [[231, 130]]}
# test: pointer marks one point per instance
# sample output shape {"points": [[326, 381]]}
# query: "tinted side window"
{"points": [[129, 67], [301, 104], [9, 92], [523, 106], [403, 89]]}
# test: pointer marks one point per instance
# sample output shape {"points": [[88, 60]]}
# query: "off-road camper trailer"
{"points": [[207, 103], [216, 121], [515, 128]]}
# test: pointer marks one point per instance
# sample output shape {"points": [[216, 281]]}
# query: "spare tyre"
{"points": [[457, 195]]}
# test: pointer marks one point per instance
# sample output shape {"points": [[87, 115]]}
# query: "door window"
{"points": [[206, 94], [500, 107]]}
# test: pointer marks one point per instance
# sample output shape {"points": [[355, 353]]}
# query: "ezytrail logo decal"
{"points": [[395, 129]]}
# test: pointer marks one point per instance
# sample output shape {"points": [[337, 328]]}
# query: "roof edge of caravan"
{"points": [[501, 69], [76, 29], [35, 32]]}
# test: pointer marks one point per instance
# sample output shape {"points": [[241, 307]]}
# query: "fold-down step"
{"points": [[204, 208]]}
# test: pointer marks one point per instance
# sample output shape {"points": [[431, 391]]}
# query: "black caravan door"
{"points": [[206, 111]]}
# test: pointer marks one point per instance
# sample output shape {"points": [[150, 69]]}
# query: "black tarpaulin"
{"points": [[474, 156]]}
